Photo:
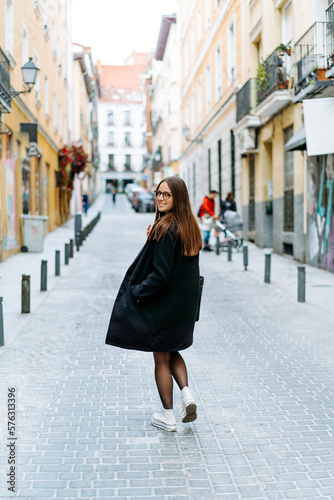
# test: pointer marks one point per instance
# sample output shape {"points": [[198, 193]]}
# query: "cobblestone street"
{"points": [[261, 369]]}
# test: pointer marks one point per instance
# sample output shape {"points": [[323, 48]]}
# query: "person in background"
{"points": [[208, 204], [206, 225], [84, 199], [228, 204]]}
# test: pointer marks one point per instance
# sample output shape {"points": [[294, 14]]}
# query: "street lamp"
{"points": [[185, 132], [29, 74]]}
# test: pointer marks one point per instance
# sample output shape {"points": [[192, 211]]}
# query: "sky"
{"points": [[114, 28]]}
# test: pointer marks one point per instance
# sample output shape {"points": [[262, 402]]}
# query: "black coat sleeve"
{"points": [[163, 261]]}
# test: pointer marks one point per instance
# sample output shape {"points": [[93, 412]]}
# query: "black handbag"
{"points": [[201, 284]]}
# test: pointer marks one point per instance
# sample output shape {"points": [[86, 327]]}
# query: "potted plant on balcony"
{"points": [[284, 49], [262, 76]]}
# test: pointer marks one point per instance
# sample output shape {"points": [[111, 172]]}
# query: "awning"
{"points": [[298, 141]]}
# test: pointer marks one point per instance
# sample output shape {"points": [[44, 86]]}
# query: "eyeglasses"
{"points": [[165, 195]]}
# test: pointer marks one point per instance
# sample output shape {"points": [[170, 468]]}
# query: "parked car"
{"points": [[143, 201], [131, 188]]}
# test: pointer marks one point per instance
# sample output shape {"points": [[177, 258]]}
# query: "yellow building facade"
{"points": [[34, 124], [210, 68], [284, 53]]}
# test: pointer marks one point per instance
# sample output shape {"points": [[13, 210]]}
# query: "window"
{"points": [[54, 111], [186, 59], [251, 201], [127, 117], [199, 24], [46, 95], [192, 118], [111, 162], [127, 162], [207, 14], [110, 117], [37, 84], [111, 139], [127, 139], [25, 49], [209, 169], [288, 183], [45, 14], [218, 73], [200, 100], [10, 26], [208, 88], [232, 145], [192, 45], [231, 57], [60, 118]]}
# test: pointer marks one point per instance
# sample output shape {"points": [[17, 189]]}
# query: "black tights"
{"points": [[168, 365]]}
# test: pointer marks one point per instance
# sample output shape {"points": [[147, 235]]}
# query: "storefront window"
{"points": [[26, 185]]}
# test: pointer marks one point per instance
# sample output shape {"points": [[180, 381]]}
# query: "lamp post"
{"points": [[29, 75]]}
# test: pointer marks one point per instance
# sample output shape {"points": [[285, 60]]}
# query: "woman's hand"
{"points": [[148, 230]]}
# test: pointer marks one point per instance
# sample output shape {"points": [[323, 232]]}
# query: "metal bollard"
{"points": [[2, 339], [44, 275], [77, 241], [229, 251], [245, 251], [25, 297], [217, 245], [67, 253], [301, 283], [71, 249], [57, 269], [267, 267]]}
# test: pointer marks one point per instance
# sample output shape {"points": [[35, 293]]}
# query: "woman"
{"points": [[157, 304]]}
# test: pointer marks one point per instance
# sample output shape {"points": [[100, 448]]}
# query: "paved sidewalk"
{"points": [[12, 269], [261, 369]]}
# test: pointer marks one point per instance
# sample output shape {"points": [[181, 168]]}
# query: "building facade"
{"points": [[210, 48], [86, 94], [34, 125], [285, 57], [165, 97], [122, 121]]}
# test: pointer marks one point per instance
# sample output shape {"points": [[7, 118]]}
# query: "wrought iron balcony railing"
{"points": [[310, 56], [272, 74], [246, 98], [5, 97]]}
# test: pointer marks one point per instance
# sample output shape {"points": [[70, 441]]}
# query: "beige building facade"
{"points": [[210, 48]]}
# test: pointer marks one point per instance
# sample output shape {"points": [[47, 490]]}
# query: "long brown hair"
{"points": [[185, 223]]}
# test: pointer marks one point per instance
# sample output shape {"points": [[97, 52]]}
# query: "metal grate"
{"points": [[288, 210]]}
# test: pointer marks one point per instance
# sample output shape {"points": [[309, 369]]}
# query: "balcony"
{"points": [[5, 98], [330, 41], [247, 122], [246, 99], [311, 63], [273, 82]]}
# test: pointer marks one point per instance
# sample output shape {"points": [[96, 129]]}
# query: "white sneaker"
{"points": [[188, 406], [165, 420]]}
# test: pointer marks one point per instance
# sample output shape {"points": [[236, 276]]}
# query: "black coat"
{"points": [[157, 303]]}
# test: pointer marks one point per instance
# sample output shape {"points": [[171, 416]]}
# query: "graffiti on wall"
{"points": [[320, 214]]}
